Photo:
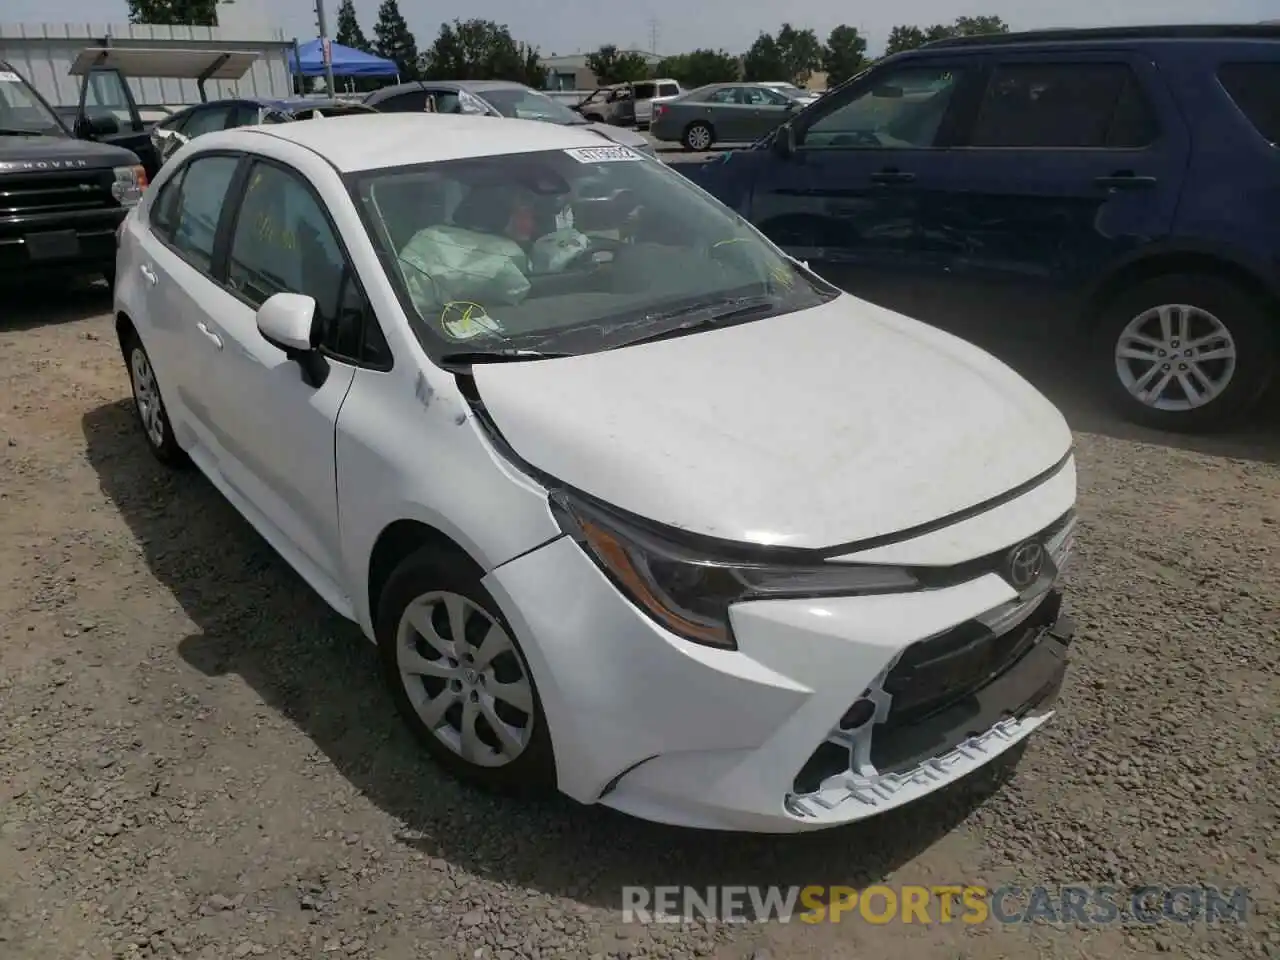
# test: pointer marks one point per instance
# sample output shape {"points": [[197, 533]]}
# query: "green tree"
{"points": [[699, 67], [611, 65], [349, 33], [792, 55], [979, 26], [845, 54], [191, 13], [481, 50], [395, 41], [763, 60], [904, 37]]}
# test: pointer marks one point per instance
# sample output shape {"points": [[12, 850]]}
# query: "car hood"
{"points": [[622, 135], [27, 154], [813, 429]]}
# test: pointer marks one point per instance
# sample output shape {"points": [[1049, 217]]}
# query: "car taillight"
{"points": [[659, 109]]}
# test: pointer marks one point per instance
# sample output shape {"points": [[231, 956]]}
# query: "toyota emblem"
{"points": [[1026, 563]]}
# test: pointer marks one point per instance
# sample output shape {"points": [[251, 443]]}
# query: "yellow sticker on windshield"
{"points": [[464, 320]]}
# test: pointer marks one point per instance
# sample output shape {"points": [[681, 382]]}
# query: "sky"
{"points": [[579, 26]]}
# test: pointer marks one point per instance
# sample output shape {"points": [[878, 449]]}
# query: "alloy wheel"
{"points": [[1175, 357], [699, 137], [146, 396], [465, 679]]}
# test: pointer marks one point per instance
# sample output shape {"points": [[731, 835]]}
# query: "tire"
{"points": [[698, 136], [420, 600], [1237, 365], [149, 406]]}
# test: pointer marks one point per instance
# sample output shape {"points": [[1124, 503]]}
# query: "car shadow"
{"points": [[47, 302], [257, 620]]}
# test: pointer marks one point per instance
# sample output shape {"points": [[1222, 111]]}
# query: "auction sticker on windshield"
{"points": [[603, 154], [8, 76]]}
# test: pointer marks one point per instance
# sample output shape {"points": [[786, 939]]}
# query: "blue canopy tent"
{"points": [[308, 60]]}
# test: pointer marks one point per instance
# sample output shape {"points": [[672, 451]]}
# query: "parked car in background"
{"points": [[61, 198], [613, 105], [799, 94], [645, 92], [720, 113], [553, 482], [1119, 183], [493, 98], [169, 135]]}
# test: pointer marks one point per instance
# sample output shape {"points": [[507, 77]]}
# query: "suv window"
{"points": [[413, 102], [1253, 87], [902, 109], [204, 186], [668, 90], [283, 243], [1064, 106], [644, 91]]}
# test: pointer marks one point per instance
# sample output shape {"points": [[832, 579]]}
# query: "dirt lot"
{"points": [[197, 759]]}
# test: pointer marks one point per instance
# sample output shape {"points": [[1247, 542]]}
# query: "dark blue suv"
{"points": [[1124, 182]]}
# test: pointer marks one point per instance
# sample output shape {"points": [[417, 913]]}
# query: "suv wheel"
{"points": [[458, 676], [1188, 353], [698, 137]]}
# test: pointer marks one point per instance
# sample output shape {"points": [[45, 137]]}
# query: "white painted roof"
{"points": [[377, 141], [181, 64]]}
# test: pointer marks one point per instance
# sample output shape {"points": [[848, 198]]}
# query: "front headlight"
{"points": [[127, 185], [689, 592]]}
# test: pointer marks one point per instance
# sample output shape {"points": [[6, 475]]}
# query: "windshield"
{"points": [[530, 105], [22, 112], [568, 251]]}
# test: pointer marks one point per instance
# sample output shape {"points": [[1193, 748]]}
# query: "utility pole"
{"points": [[326, 49], [653, 36]]}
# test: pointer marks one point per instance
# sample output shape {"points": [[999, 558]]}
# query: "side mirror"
{"points": [[99, 125], [784, 141], [287, 321], [790, 106]]}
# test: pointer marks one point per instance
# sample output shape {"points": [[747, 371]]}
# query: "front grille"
{"points": [[935, 673], [27, 194]]}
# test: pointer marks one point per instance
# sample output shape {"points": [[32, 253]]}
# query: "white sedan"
{"points": [[631, 503]]}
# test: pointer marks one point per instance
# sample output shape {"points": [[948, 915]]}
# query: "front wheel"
{"points": [[698, 137], [459, 678], [1188, 353]]}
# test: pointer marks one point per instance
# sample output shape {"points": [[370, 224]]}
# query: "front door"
{"points": [[849, 201], [767, 109], [1071, 162], [275, 429], [105, 93]]}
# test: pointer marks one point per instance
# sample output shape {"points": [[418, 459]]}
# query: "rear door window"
{"points": [[194, 224], [644, 91], [1064, 106], [1255, 88], [413, 102], [207, 120]]}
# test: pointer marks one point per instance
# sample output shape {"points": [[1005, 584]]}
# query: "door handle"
{"points": [[148, 274], [1124, 181], [892, 176], [203, 328]]}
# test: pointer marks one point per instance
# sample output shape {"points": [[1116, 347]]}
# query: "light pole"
{"points": [[326, 49]]}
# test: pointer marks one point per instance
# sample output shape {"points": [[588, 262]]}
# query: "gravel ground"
{"points": [[197, 759]]}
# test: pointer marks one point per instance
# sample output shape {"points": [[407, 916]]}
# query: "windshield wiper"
{"points": [[718, 313], [504, 355], [19, 132]]}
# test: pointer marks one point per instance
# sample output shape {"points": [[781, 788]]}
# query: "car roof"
{"points": [[1172, 32], [380, 140], [472, 86]]}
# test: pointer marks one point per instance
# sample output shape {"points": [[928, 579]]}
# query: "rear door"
{"points": [[1071, 161]]}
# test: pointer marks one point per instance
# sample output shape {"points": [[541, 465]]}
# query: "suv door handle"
{"points": [[203, 328], [1124, 181], [148, 274], [892, 176]]}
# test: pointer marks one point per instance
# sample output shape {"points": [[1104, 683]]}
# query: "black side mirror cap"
{"points": [[784, 141]]}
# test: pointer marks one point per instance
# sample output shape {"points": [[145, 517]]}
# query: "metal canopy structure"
{"points": [[169, 64]]}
